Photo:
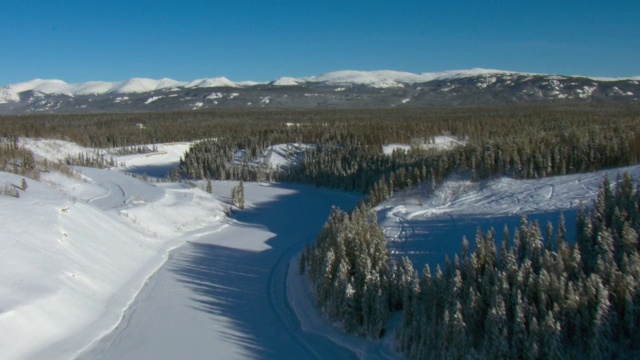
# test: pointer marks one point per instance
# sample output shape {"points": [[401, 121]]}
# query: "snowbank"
{"points": [[75, 253]]}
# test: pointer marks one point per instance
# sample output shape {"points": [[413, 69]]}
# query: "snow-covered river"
{"points": [[223, 295]]}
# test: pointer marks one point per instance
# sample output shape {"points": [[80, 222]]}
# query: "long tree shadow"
{"points": [[156, 171], [236, 283], [429, 240]]}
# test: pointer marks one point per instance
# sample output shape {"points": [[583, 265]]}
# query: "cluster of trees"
{"points": [[134, 149], [16, 159], [539, 296], [237, 195], [348, 268], [534, 295], [215, 159], [97, 160], [111, 130]]}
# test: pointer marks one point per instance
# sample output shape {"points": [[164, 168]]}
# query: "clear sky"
{"points": [[82, 40]]}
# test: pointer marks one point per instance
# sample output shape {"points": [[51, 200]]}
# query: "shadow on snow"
{"points": [[429, 240], [237, 284]]}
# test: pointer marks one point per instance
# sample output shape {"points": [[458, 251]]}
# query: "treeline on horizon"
{"points": [[346, 146]]}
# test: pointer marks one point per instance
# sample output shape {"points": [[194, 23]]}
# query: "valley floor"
{"points": [[222, 295]]}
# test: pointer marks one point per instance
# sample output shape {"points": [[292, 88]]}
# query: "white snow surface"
{"points": [[11, 92], [279, 156], [213, 82], [441, 142], [390, 79], [286, 81], [75, 252]]}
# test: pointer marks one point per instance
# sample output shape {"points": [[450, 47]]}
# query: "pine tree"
{"points": [[237, 195], [209, 188]]}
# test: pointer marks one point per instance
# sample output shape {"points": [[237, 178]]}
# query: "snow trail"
{"points": [[223, 295]]}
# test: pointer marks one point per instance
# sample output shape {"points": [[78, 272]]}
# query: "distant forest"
{"points": [[538, 298], [516, 141]]}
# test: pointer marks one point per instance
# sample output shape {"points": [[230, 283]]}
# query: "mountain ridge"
{"points": [[340, 77], [339, 89]]}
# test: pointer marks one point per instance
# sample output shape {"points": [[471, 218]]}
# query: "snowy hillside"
{"points": [[390, 79], [11, 93], [74, 252], [428, 225]]}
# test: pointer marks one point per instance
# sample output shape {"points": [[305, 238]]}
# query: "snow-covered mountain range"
{"points": [[339, 89]]}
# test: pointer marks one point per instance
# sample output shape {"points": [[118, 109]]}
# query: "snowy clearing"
{"points": [[428, 225], [442, 142]]}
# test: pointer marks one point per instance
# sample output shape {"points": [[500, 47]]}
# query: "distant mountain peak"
{"points": [[341, 89]]}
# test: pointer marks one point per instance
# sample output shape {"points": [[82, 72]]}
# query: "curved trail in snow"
{"points": [[286, 315], [223, 295], [120, 189]]}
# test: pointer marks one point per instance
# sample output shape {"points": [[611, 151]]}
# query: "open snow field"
{"points": [[105, 266], [428, 225]]}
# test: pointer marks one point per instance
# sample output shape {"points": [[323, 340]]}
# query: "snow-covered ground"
{"points": [[82, 258], [75, 252], [277, 157], [223, 295], [79, 253], [442, 142], [428, 225]]}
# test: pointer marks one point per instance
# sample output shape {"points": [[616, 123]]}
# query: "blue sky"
{"points": [[81, 40]]}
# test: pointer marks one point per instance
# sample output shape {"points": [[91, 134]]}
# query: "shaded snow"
{"points": [[426, 225], [285, 81], [223, 295]]}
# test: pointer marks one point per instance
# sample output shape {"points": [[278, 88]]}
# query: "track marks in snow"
{"points": [[438, 221]]}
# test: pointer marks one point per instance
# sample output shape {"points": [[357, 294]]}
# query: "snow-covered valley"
{"points": [[107, 266]]}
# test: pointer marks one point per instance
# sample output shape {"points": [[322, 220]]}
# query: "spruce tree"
{"points": [[237, 195], [209, 187]]}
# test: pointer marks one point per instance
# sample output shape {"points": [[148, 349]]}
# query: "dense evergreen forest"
{"points": [[537, 297], [346, 146]]}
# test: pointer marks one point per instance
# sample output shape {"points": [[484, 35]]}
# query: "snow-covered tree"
{"points": [[237, 195], [209, 187]]}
